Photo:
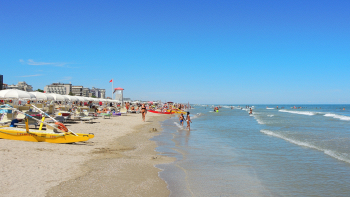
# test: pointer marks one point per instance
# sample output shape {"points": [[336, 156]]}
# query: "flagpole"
{"points": [[112, 88]]}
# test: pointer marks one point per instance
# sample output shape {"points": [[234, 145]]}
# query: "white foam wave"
{"points": [[259, 121], [341, 117], [269, 108], [299, 112], [339, 156], [178, 125], [270, 115]]}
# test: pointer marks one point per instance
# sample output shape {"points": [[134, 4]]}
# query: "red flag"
{"points": [[110, 80]]}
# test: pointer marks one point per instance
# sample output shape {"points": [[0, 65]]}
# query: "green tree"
{"points": [[93, 96], [40, 90], [70, 94]]}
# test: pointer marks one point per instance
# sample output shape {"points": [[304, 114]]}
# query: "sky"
{"points": [[224, 52]]}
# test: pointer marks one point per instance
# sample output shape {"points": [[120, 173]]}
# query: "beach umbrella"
{"points": [[42, 96], [70, 98], [16, 94], [81, 98], [58, 97]]}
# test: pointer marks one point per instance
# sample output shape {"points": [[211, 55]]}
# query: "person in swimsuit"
{"points": [[188, 119], [251, 111], [182, 119], [143, 112]]}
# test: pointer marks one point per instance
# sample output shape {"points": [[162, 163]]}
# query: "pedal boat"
{"points": [[34, 135]]}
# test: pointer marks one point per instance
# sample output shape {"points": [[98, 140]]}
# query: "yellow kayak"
{"points": [[13, 133]]}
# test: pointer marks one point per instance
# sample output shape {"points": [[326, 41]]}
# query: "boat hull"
{"points": [[61, 138], [158, 112]]}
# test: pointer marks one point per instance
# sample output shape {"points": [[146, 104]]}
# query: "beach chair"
{"points": [[123, 111], [6, 118]]}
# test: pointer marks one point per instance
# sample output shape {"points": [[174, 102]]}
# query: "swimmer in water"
{"points": [[188, 119], [251, 111]]}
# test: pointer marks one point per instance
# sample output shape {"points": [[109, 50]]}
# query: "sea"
{"points": [[295, 150]]}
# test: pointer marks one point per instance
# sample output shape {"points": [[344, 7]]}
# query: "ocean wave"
{"points": [[269, 108], [258, 120], [270, 115], [308, 113], [341, 117], [336, 155]]}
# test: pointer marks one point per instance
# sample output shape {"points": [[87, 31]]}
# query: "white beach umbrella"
{"points": [[58, 97], [16, 94], [81, 98], [42, 96], [71, 98]]}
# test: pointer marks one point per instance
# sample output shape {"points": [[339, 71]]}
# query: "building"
{"points": [[97, 92], [86, 92], [59, 88], [1, 82], [4, 86], [77, 90], [22, 85]]}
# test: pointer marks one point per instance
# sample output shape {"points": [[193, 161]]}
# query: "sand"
{"points": [[119, 161]]}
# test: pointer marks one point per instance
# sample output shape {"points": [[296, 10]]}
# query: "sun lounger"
{"points": [[123, 111]]}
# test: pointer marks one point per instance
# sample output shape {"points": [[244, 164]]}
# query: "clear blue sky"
{"points": [[197, 51]]}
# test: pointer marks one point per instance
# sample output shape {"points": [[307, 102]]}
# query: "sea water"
{"points": [[273, 152]]}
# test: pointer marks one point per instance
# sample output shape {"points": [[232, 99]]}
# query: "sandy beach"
{"points": [[119, 161]]}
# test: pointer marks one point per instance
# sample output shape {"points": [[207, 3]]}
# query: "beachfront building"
{"points": [[97, 92], [59, 88], [4, 86], [22, 85], [86, 92], [1, 82], [77, 90]]}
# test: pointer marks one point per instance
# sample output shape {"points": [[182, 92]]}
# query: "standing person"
{"points": [[143, 112], [188, 119], [181, 118], [251, 111]]}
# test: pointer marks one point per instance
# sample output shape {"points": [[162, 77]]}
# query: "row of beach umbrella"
{"points": [[19, 94]]}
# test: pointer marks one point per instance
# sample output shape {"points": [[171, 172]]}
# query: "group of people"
{"points": [[188, 120]]}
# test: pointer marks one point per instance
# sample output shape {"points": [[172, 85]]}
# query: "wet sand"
{"points": [[119, 161]]}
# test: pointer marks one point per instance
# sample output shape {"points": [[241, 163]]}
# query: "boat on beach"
{"points": [[158, 112], [34, 135], [54, 133]]}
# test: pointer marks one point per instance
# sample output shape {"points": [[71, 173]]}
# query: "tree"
{"points": [[40, 90], [93, 96], [70, 94]]}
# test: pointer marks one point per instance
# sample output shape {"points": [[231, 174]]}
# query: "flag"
{"points": [[111, 81]]}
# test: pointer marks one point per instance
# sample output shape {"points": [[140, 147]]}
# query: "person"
{"points": [[188, 119], [143, 112], [14, 122], [251, 111], [182, 119]]}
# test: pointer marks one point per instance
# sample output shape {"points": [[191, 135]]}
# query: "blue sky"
{"points": [[258, 52]]}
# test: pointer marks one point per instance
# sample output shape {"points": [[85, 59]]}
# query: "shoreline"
{"points": [[125, 167], [120, 160]]}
